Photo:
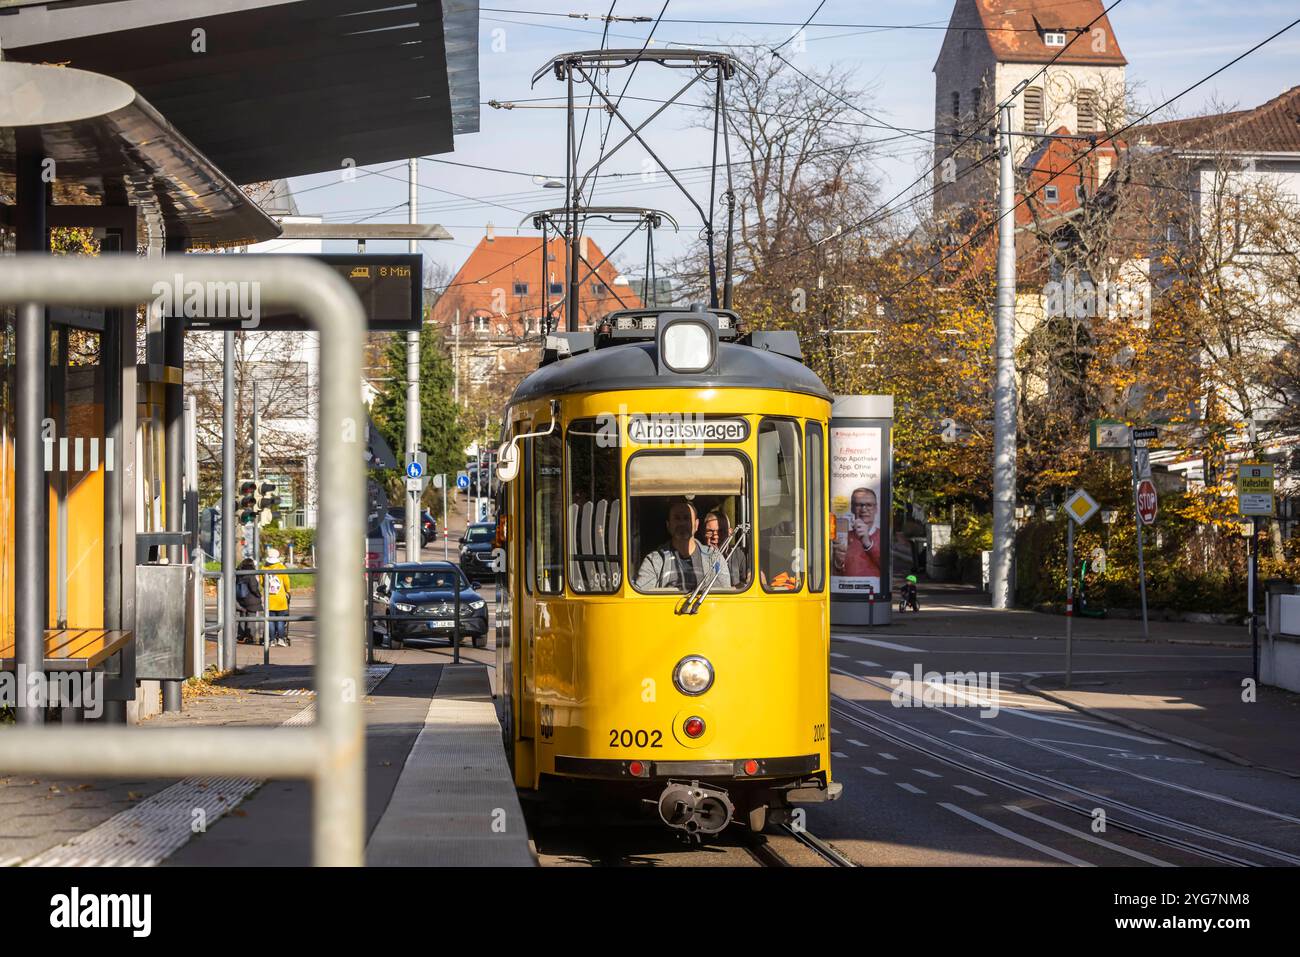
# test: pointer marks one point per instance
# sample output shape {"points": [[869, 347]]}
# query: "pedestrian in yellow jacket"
{"points": [[277, 598]]}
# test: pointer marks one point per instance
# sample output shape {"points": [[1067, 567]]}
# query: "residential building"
{"points": [[496, 309]]}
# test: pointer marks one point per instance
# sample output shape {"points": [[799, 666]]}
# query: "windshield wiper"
{"points": [[696, 598]]}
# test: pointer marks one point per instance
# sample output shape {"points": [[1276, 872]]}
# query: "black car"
{"points": [[417, 602], [428, 526], [476, 548]]}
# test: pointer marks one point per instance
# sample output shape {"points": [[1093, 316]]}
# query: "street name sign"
{"points": [[1081, 506], [1146, 434], [1148, 502], [1255, 490]]}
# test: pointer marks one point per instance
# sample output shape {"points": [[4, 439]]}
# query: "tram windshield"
{"points": [[685, 511]]}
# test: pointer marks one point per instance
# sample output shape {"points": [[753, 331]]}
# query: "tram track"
{"points": [[1042, 786], [761, 848]]}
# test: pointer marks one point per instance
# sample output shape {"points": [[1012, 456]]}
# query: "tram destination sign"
{"points": [[389, 286], [685, 429]]}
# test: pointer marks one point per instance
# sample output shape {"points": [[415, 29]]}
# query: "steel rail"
{"points": [[1158, 837], [330, 754]]}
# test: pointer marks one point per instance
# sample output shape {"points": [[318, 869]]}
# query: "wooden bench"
{"points": [[71, 649]]}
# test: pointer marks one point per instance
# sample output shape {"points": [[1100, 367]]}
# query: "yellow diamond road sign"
{"points": [[1255, 489], [1081, 506]]}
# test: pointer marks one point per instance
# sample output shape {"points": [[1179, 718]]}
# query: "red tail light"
{"points": [[751, 767], [694, 727], [637, 769]]}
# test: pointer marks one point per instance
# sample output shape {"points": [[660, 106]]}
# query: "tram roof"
{"points": [[746, 364]]}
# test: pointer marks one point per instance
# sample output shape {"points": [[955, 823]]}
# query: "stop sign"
{"points": [[1147, 502]]}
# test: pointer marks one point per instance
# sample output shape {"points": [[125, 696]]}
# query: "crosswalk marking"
{"points": [[928, 774], [887, 756], [909, 788], [856, 742], [974, 792], [836, 654], [875, 771], [838, 754], [869, 664]]}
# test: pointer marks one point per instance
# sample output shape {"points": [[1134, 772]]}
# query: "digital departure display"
{"points": [[388, 285]]}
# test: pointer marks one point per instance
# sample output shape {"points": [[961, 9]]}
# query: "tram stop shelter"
{"points": [[136, 121]]}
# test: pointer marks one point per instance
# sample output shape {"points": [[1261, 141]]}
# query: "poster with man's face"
{"points": [[857, 549]]}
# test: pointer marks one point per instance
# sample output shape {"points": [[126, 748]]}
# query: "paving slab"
{"points": [[455, 804]]}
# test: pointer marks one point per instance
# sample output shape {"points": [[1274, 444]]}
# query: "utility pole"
{"points": [[229, 533], [413, 391], [455, 361], [1004, 390]]}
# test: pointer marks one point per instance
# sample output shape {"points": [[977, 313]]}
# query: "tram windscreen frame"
{"points": [[651, 508], [782, 558], [593, 510]]}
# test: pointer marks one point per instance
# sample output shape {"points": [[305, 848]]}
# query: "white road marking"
{"points": [[1084, 835], [855, 741], [838, 754], [838, 654], [875, 771], [887, 756], [909, 788], [974, 792], [869, 664], [1012, 835], [876, 642], [928, 774]]}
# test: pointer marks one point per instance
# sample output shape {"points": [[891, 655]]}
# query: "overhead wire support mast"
{"points": [[586, 66]]}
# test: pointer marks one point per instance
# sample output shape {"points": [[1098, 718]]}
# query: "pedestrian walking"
{"points": [[277, 597], [248, 595]]}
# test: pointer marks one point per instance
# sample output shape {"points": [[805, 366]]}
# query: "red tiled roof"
{"points": [[1273, 127], [1014, 29], [485, 284]]}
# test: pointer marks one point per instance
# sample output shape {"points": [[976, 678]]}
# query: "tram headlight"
{"points": [[688, 347], [693, 675]]}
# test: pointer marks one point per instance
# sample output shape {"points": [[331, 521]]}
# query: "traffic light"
{"points": [[270, 502], [247, 502]]}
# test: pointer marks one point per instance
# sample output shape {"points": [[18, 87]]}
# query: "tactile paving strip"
{"points": [[145, 834]]}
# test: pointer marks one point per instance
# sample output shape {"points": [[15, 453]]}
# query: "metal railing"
{"points": [[331, 753]]}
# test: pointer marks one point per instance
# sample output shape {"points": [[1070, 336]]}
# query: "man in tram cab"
{"points": [[681, 563], [717, 528]]}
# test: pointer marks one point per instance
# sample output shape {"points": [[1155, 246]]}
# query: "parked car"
{"points": [[476, 549], [428, 527], [417, 602]]}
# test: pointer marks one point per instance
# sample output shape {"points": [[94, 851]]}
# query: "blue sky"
{"points": [[1169, 45]]}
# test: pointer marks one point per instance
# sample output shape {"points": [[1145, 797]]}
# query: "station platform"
{"points": [[438, 789], [455, 803]]}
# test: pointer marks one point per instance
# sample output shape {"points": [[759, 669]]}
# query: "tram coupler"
{"points": [[695, 808]]}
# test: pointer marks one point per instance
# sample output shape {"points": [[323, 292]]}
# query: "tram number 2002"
{"points": [[626, 738]]}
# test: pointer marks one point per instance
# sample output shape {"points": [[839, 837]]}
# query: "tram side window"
{"points": [[684, 511], [592, 516], [548, 509], [780, 525], [816, 509]]}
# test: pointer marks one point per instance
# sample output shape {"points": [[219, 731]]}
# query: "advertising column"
{"points": [[861, 459]]}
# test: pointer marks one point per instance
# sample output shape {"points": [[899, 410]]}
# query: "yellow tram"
{"points": [[665, 624]]}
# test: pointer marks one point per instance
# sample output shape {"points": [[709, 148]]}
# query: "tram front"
{"points": [[669, 625]]}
